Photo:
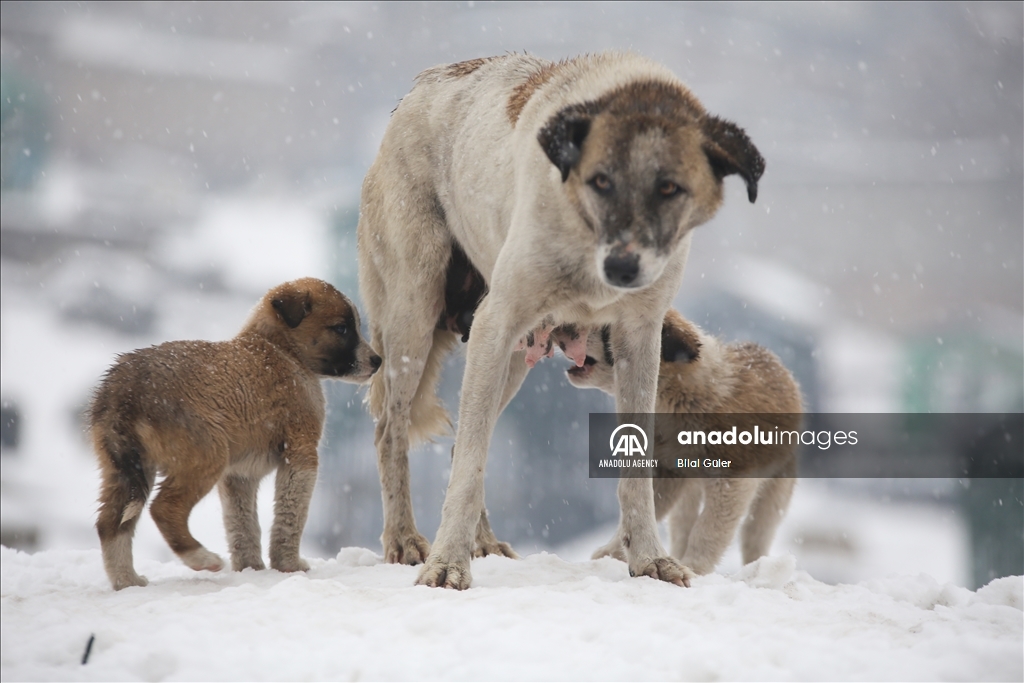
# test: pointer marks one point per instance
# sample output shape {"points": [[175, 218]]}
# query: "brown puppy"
{"points": [[701, 375], [226, 413]]}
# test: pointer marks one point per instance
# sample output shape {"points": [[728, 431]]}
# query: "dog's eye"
{"points": [[341, 329], [601, 183], [667, 188]]}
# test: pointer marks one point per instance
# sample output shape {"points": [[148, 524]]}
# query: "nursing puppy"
{"points": [[226, 414], [701, 375], [510, 195]]}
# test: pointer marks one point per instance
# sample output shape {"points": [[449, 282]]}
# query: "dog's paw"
{"points": [[611, 549], [410, 548], [665, 569], [240, 563], [125, 580], [494, 547], [291, 564], [445, 574], [202, 559]]}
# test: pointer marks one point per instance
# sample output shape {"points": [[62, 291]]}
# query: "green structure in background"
{"points": [[23, 131], [344, 261], [971, 374]]}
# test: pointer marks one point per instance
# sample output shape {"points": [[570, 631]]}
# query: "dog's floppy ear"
{"points": [[293, 306], [562, 138], [730, 151], [678, 344]]}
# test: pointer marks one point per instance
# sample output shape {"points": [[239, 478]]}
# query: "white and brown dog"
{"points": [[699, 375], [515, 194]]}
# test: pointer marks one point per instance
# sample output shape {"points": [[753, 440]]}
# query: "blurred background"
{"points": [[163, 164]]}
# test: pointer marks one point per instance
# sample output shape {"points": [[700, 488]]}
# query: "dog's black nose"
{"points": [[375, 361], [621, 271]]}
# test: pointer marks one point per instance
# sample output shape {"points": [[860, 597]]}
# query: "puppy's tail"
{"points": [[428, 417], [126, 483]]}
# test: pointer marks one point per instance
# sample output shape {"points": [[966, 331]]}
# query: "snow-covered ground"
{"points": [[885, 600], [898, 611], [540, 618]]}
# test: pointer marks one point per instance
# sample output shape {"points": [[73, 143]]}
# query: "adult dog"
{"points": [[699, 375], [227, 414], [564, 191]]}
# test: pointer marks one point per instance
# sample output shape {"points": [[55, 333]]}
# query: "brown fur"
{"points": [[460, 69], [228, 413], [522, 93], [699, 375], [721, 378]]}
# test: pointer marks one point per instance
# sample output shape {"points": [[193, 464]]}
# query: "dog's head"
{"points": [[642, 166], [680, 352], [318, 325]]}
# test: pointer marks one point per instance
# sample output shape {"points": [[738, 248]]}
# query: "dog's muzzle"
{"points": [[622, 270]]}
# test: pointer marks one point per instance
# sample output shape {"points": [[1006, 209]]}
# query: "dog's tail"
{"points": [[126, 488], [126, 481], [428, 417]]}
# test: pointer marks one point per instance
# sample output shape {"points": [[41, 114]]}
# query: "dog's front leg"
{"points": [[495, 331], [296, 477], [636, 345], [241, 520]]}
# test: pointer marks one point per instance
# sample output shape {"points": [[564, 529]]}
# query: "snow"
{"points": [[353, 617]]}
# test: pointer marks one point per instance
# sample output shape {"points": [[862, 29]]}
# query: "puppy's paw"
{"points": [[439, 573], [409, 548], [125, 579], [494, 547], [289, 564], [611, 549], [202, 559], [239, 563], [664, 569]]}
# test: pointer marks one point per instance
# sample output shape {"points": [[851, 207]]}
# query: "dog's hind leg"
{"points": [[725, 503], [405, 356], [407, 350], [766, 512], [241, 520], [404, 251], [173, 504], [125, 488], [487, 543], [613, 548], [683, 515], [666, 494], [116, 537]]}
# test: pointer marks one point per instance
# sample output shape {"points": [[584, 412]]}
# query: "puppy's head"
{"points": [[642, 166], [597, 370], [317, 324], [680, 351]]}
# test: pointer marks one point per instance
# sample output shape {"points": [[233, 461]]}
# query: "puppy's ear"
{"points": [[730, 151], [562, 138], [293, 306], [679, 344]]}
